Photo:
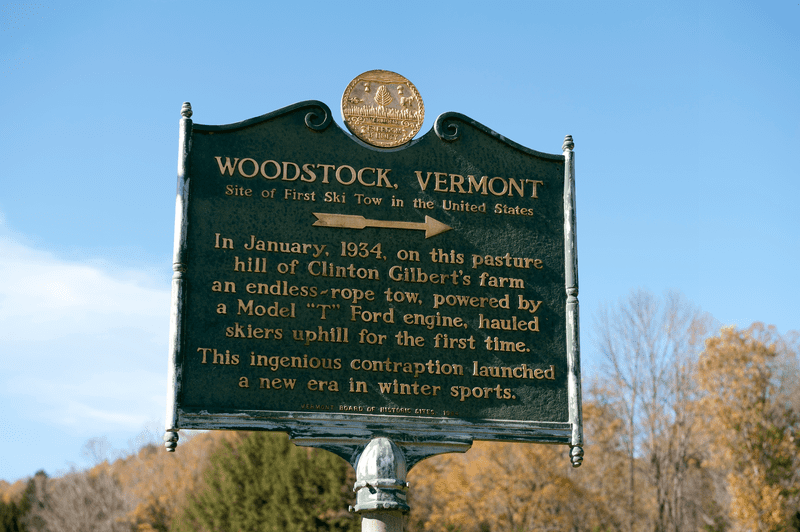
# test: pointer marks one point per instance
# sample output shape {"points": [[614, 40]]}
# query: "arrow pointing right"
{"points": [[353, 221]]}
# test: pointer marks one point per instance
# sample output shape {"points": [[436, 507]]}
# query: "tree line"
{"points": [[689, 427]]}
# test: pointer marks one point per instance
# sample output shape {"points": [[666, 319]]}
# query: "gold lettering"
{"points": [[241, 168], [523, 371], [481, 392], [227, 167]]}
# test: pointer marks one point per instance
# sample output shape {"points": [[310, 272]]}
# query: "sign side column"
{"points": [[178, 280], [573, 324]]}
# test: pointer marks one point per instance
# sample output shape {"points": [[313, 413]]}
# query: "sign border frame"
{"points": [[339, 431]]}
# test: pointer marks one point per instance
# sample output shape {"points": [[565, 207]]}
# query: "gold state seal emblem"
{"points": [[382, 108]]}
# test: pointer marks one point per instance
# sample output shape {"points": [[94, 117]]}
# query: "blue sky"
{"points": [[685, 115]]}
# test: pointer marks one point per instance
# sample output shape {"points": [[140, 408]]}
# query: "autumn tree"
{"points": [[158, 482], [603, 471], [504, 487], [498, 487], [82, 501], [85, 501], [266, 483], [650, 346], [752, 401]]}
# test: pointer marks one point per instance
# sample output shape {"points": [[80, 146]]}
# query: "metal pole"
{"points": [[381, 487]]}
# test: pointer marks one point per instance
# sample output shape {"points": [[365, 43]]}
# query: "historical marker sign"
{"points": [[331, 289]]}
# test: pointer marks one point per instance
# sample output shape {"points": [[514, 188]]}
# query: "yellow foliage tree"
{"points": [[751, 399], [159, 481], [505, 487], [12, 492]]}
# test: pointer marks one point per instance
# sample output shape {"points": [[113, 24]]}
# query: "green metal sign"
{"points": [[335, 290]]}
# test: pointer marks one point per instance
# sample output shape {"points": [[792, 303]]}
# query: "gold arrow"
{"points": [[353, 221]]}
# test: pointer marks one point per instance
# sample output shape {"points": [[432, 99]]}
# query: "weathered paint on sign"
{"points": [[325, 287]]}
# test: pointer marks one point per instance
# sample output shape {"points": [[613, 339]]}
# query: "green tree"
{"points": [[753, 404], [10, 517], [31, 503], [266, 483]]}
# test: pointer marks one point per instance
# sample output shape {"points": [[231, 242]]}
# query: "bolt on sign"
{"points": [[339, 286]]}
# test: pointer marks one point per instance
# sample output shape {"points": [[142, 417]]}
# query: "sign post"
{"points": [[374, 301]]}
